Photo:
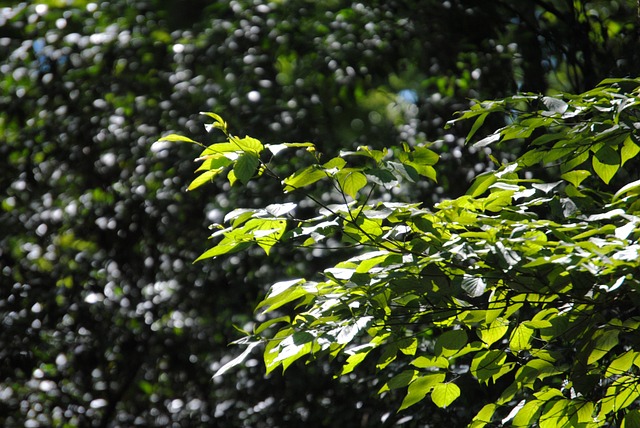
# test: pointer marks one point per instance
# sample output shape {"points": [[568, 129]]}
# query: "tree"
{"points": [[105, 321], [525, 288]]}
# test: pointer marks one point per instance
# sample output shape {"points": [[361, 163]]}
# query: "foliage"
{"points": [[527, 286], [105, 321]]}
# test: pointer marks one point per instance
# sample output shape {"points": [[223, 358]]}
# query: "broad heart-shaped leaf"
{"points": [[444, 394], [576, 177], [521, 338], [419, 388], [494, 332], [351, 181], [245, 166], [606, 163]]}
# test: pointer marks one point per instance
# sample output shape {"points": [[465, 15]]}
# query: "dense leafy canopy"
{"points": [[105, 321], [526, 285]]}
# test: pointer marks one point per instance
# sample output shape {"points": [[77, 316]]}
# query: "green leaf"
{"points": [[424, 156], [494, 332], [481, 184], [420, 387], [574, 161], [335, 164], [581, 412], [601, 343], [284, 292], [303, 178], [621, 364], [408, 345], [631, 419], [292, 348], [424, 362], [606, 163], [576, 177], [265, 325], [382, 177], [534, 370], [400, 380], [450, 342], [521, 338], [219, 122], [203, 178], [247, 145], [246, 166], [528, 414], [484, 416], [624, 392], [351, 181], [224, 247], [176, 137], [629, 150], [487, 364], [443, 394], [356, 358], [554, 414], [476, 125]]}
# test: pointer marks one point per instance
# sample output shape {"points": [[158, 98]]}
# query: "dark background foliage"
{"points": [[105, 321]]}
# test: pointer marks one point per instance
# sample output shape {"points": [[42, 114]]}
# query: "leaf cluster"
{"points": [[525, 282]]}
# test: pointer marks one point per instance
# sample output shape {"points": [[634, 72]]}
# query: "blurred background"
{"points": [[105, 320]]}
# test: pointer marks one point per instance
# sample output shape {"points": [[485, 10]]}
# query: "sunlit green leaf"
{"points": [[303, 178], [443, 394], [493, 332], [576, 177], [420, 387], [204, 178], [521, 338], [177, 138], [351, 181]]}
